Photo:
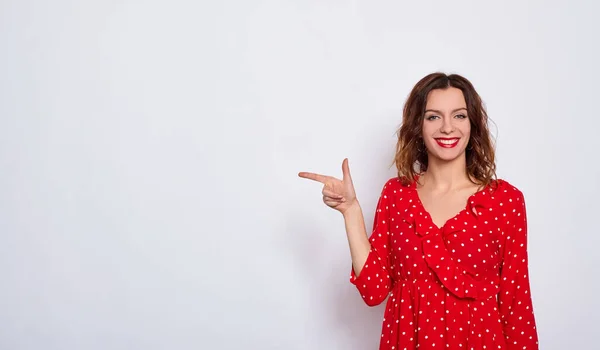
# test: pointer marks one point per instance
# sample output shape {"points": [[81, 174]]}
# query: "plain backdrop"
{"points": [[149, 153]]}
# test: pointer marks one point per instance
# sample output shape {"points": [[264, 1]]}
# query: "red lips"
{"points": [[447, 142]]}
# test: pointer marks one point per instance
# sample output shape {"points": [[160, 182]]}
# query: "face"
{"points": [[446, 125]]}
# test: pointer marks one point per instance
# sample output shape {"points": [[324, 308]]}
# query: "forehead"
{"points": [[446, 99]]}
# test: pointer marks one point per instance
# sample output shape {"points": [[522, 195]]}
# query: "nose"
{"points": [[447, 126]]}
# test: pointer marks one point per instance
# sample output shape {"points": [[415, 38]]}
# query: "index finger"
{"points": [[313, 176]]}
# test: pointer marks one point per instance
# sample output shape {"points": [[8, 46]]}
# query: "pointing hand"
{"points": [[337, 194]]}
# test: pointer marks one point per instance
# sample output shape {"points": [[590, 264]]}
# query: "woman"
{"points": [[449, 242]]}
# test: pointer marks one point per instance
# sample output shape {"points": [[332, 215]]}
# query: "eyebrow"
{"points": [[439, 112]]}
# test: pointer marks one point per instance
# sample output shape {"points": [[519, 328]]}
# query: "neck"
{"points": [[444, 175]]}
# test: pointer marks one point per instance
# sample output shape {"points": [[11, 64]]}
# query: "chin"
{"points": [[448, 156]]}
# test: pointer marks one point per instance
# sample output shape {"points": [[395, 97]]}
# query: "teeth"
{"points": [[448, 142]]}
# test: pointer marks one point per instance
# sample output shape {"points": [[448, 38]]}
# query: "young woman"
{"points": [[449, 242]]}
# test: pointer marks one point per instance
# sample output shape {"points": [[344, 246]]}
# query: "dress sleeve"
{"points": [[374, 281], [515, 302]]}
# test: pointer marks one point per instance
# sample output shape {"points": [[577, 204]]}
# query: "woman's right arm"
{"points": [[370, 272], [357, 237], [370, 258]]}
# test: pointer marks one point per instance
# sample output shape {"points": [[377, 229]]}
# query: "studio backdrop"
{"points": [[149, 153]]}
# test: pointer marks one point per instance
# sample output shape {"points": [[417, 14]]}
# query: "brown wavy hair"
{"points": [[411, 158]]}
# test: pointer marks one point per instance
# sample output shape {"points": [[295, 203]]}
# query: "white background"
{"points": [[149, 153]]}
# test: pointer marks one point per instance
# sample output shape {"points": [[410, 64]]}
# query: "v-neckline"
{"points": [[456, 216]]}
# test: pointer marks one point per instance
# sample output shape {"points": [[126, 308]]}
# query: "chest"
{"points": [[471, 239], [444, 207], [471, 243]]}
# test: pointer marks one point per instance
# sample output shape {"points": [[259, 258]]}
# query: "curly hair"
{"points": [[480, 153]]}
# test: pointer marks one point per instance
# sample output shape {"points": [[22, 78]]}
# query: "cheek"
{"points": [[427, 133], [427, 129], [466, 130]]}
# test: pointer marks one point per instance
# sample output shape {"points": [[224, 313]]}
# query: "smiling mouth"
{"points": [[447, 143]]}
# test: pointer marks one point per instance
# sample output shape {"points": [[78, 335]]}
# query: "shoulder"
{"points": [[506, 189], [509, 196], [397, 191], [395, 185]]}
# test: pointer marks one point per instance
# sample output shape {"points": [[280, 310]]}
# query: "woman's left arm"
{"points": [[515, 302]]}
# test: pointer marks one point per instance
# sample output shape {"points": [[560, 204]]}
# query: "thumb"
{"points": [[346, 171]]}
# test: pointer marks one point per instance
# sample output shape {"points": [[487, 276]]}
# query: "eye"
{"points": [[431, 117], [460, 116]]}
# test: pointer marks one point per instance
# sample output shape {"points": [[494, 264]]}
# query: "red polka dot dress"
{"points": [[460, 286]]}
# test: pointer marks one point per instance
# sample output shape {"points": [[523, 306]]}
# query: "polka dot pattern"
{"points": [[464, 285]]}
